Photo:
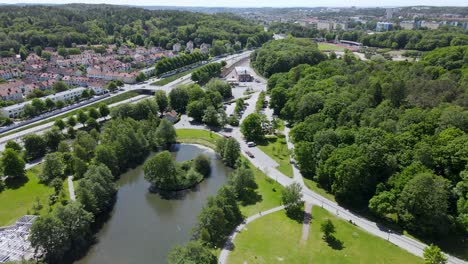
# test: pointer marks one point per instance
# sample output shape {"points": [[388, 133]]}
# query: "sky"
{"points": [[258, 3]]}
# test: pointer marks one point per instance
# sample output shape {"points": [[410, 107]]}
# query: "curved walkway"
{"points": [[228, 246], [71, 188]]}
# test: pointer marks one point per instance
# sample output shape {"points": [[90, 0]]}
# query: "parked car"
{"points": [[251, 144], [250, 154]]}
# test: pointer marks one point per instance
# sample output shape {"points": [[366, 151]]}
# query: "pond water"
{"points": [[143, 226]]}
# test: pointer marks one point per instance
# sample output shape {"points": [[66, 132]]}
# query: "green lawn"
{"points": [[329, 47], [16, 202], [277, 149], [196, 136], [275, 238], [269, 191], [172, 78], [108, 101]]}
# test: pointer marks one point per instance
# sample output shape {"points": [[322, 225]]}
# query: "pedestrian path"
{"points": [[71, 188], [307, 219]]}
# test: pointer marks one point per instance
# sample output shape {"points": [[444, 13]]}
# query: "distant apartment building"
{"points": [[430, 24], [16, 110], [384, 26], [389, 13], [205, 48], [325, 25], [407, 25]]}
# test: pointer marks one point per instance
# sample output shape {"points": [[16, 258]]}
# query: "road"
{"points": [[263, 162]]}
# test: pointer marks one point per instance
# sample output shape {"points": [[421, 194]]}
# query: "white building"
{"points": [[176, 47], [16, 110], [407, 25], [430, 25], [325, 25]]}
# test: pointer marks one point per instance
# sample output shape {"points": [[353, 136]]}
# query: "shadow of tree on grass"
{"points": [[333, 242]]}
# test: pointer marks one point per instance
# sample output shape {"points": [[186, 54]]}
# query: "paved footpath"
{"points": [[307, 219], [71, 188], [229, 243]]}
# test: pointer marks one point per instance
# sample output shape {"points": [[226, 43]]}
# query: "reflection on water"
{"points": [[143, 226]]}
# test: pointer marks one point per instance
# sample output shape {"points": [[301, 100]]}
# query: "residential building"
{"points": [[384, 26], [430, 24], [176, 47], [407, 25], [205, 48], [66, 95], [190, 46], [389, 13], [325, 25], [242, 74]]}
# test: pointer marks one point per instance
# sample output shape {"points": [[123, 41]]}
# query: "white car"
{"points": [[251, 144]]}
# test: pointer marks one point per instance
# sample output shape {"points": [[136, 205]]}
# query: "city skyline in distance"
{"points": [[250, 4]]}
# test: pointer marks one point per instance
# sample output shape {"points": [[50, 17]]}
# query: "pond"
{"points": [[143, 226]]}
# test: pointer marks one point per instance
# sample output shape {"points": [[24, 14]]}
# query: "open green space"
{"points": [[196, 136], [275, 238], [329, 47], [277, 149], [108, 101], [172, 78], [269, 191], [17, 200]]}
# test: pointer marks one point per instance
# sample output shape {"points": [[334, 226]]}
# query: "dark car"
{"points": [[250, 154]]}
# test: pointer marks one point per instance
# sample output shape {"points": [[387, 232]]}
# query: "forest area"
{"points": [[27, 27], [385, 138]]}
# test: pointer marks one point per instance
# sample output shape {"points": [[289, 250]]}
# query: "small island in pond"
{"points": [[164, 173]]}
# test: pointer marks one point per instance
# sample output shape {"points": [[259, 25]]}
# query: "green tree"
{"points": [[251, 127], [103, 110], [93, 112], [60, 124], [242, 179], [165, 133], [53, 167], [202, 164], [10, 144], [433, 255], [38, 104], [52, 138], [161, 170], [327, 228], [82, 117], [35, 146], [140, 77], [196, 110], [59, 86], [12, 164], [161, 100], [423, 204], [192, 252], [231, 152], [112, 86], [291, 196], [79, 167], [71, 121], [49, 104], [211, 117], [179, 98]]}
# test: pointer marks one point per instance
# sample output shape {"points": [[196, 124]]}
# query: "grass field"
{"points": [[108, 101], [329, 47], [16, 201], [172, 78], [277, 149], [275, 238], [196, 136]]}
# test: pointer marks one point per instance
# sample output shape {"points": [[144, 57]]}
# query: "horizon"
{"points": [[188, 4]]}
